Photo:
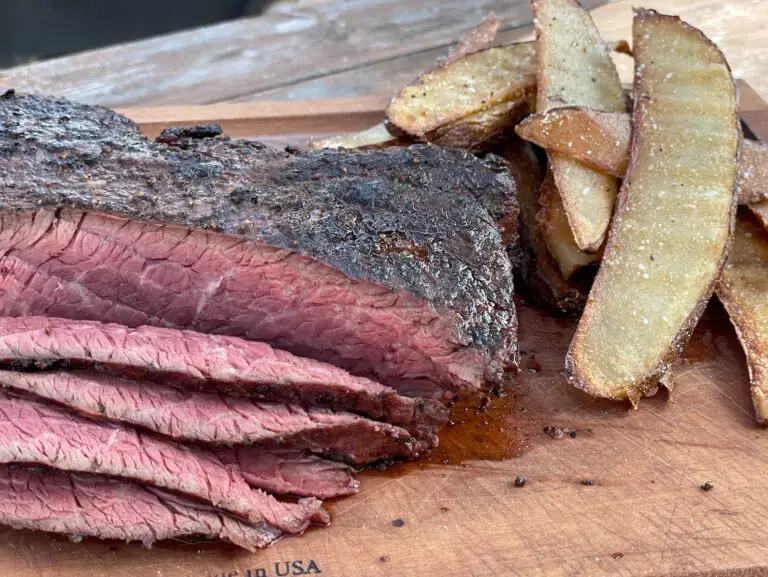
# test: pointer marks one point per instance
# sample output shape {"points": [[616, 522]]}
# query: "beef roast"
{"points": [[221, 419], [287, 471], [89, 506], [382, 262], [31, 432], [211, 362]]}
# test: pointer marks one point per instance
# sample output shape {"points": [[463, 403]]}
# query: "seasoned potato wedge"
{"points": [[477, 39], [463, 87], [753, 173], [602, 140], [478, 131], [536, 269], [743, 290], [374, 137], [760, 210], [599, 139], [673, 218], [557, 234], [575, 69]]}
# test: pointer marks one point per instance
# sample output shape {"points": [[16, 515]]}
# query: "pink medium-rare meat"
{"points": [[90, 506], [31, 432], [287, 471], [201, 361], [221, 419], [386, 262]]}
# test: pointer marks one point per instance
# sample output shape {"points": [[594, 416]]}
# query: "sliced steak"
{"points": [[286, 471], [209, 362], [221, 419], [89, 506], [382, 262], [31, 432]]}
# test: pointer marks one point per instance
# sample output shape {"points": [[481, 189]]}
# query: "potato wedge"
{"points": [[753, 174], [575, 69], [743, 290], [760, 210], [472, 84], [557, 233], [374, 137], [602, 140], [674, 215], [478, 131], [536, 269], [596, 138], [477, 39]]}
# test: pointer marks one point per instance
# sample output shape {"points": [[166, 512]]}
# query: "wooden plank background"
{"points": [[644, 513], [342, 49]]}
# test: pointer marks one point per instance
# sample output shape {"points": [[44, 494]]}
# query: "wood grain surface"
{"points": [[644, 514], [253, 59], [622, 496], [330, 49]]}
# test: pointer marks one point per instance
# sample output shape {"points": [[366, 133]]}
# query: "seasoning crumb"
{"points": [[384, 559], [617, 555], [572, 434], [707, 486], [398, 523], [520, 481], [587, 482], [444, 509]]}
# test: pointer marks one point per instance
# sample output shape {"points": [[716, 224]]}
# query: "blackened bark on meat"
{"points": [[89, 506], [406, 219], [220, 419]]}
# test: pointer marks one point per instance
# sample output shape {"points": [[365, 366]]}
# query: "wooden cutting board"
{"points": [[609, 491]]}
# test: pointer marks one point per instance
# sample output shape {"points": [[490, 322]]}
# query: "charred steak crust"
{"points": [[405, 218]]}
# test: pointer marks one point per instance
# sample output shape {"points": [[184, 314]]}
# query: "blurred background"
{"points": [[32, 30]]}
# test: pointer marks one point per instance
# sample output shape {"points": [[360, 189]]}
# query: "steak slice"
{"points": [[382, 262], [89, 506], [208, 362], [34, 433], [286, 471], [220, 419]]}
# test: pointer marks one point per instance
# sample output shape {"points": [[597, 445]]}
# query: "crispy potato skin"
{"points": [[464, 87], [677, 203], [535, 268], [596, 138], [760, 210], [743, 290], [575, 69], [602, 141], [558, 236], [478, 132], [477, 39], [753, 176]]}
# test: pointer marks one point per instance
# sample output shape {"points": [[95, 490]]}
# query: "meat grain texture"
{"points": [[218, 419], [382, 262], [90, 506]]}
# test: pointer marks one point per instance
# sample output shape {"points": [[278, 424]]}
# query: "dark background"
{"points": [[33, 30]]}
